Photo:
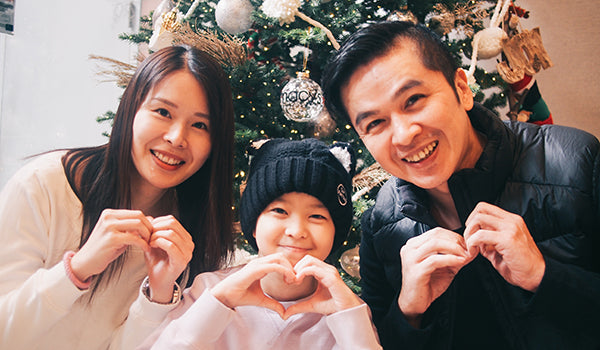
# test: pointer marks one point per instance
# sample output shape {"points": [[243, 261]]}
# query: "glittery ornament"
{"points": [[164, 27], [350, 262], [284, 10], [301, 99], [234, 16], [324, 124]]}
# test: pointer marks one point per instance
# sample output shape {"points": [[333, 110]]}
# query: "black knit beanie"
{"points": [[309, 166]]}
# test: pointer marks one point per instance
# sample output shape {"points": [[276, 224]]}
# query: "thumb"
{"points": [[299, 308], [273, 305]]}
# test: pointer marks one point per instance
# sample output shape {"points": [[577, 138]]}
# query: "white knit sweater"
{"points": [[40, 219]]}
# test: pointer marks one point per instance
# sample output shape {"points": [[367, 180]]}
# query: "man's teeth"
{"points": [[165, 159], [424, 153]]}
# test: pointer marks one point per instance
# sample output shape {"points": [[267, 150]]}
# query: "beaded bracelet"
{"points": [[67, 263]]}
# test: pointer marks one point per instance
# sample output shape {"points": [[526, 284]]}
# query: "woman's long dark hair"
{"points": [[101, 176]]}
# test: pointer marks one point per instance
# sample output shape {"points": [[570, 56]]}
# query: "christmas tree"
{"points": [[274, 52]]}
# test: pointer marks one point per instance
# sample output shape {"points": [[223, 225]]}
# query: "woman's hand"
{"points": [[332, 294], [115, 230], [171, 248]]}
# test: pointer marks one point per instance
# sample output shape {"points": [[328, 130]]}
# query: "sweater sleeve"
{"points": [[199, 327], [353, 329], [144, 317], [35, 291]]}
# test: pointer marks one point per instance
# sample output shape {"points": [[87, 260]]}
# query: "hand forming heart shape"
{"points": [[265, 280]]}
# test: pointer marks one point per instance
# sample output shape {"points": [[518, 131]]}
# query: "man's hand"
{"points": [[503, 239], [429, 263]]}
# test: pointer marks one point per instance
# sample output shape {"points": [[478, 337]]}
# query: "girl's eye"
{"points": [[318, 216], [163, 112], [278, 210]]}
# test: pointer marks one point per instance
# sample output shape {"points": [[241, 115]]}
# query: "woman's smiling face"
{"points": [[171, 132]]}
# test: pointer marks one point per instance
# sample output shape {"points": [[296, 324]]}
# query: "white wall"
{"points": [[50, 94], [571, 35]]}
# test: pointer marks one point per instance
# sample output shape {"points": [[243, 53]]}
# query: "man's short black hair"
{"points": [[376, 40]]}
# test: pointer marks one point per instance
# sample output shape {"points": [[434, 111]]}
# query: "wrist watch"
{"points": [[146, 292]]}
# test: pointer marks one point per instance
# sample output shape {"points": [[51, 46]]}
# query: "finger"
{"points": [[135, 226], [440, 262], [484, 238], [183, 241], [259, 268], [168, 221], [128, 239], [437, 233], [483, 208], [273, 305], [308, 260], [133, 217], [456, 247], [176, 255], [482, 221], [299, 308]]}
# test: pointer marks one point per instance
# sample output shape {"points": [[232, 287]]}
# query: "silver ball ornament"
{"points": [[234, 16], [301, 99]]}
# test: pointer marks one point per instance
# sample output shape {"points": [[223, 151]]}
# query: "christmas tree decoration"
{"points": [[287, 10], [301, 99], [234, 16], [229, 51], [527, 104], [164, 27], [525, 54], [324, 124], [283, 10], [350, 262], [487, 43]]}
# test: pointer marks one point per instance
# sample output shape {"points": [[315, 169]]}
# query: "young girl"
{"points": [[81, 228], [296, 209]]}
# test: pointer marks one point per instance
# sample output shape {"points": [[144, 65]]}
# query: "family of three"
{"points": [[484, 237]]}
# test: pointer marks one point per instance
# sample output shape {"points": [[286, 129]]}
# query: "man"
{"points": [[485, 236]]}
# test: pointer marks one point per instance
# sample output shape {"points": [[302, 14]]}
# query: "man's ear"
{"points": [[461, 85]]}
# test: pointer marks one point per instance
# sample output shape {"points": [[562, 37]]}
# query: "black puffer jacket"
{"points": [[550, 175]]}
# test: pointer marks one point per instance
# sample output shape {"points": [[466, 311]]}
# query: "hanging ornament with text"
{"points": [[301, 99]]}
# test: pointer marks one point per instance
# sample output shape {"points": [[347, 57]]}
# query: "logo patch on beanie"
{"points": [[342, 195]]}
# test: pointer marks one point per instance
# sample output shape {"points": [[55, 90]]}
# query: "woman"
{"points": [[82, 228]]}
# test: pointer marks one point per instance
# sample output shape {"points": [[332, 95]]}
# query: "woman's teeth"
{"points": [[423, 154], [165, 159]]}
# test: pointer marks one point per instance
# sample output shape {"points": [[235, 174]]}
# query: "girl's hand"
{"points": [[332, 294], [243, 287], [171, 248], [115, 230]]}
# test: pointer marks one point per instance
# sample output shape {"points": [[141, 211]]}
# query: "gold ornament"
{"points": [[350, 262]]}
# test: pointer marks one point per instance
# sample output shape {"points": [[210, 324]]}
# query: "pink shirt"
{"points": [[201, 321]]}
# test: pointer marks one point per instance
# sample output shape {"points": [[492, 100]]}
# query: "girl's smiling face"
{"points": [[295, 224]]}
